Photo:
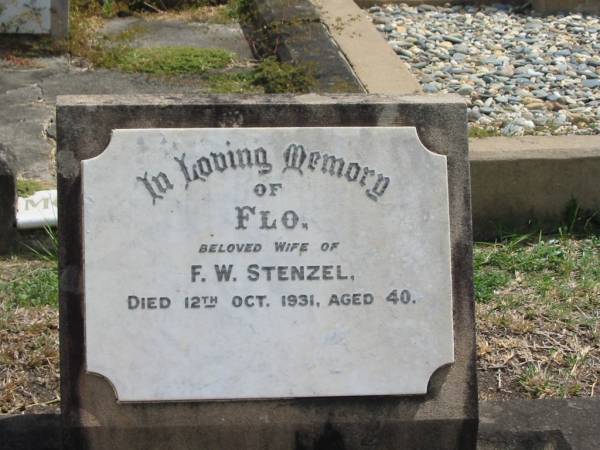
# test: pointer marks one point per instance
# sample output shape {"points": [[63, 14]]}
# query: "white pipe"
{"points": [[38, 211]]}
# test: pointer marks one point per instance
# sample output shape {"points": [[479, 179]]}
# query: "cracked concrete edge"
{"points": [[294, 33], [377, 66]]}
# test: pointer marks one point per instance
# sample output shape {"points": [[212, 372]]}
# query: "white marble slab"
{"points": [[38, 210], [378, 225], [25, 16]]}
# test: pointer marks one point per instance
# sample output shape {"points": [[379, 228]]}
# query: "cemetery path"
{"points": [[29, 85]]}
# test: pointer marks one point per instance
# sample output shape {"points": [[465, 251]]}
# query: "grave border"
{"points": [[446, 417]]}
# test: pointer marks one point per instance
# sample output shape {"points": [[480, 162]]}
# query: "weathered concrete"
{"points": [[28, 99], [173, 33], [446, 417], [8, 201], [564, 424], [379, 69], [30, 432], [518, 424], [555, 6], [59, 19], [293, 31], [524, 184]]}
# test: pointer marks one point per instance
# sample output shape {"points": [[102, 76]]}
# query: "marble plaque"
{"points": [[248, 263]]}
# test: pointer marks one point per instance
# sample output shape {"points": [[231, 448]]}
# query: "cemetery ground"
{"points": [[196, 50], [537, 296], [538, 300]]}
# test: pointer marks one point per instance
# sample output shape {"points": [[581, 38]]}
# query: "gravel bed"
{"points": [[520, 74]]}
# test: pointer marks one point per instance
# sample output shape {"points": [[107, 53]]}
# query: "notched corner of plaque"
{"points": [[115, 137], [438, 378], [104, 379], [417, 137]]}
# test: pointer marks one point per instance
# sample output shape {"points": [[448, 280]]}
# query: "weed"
{"points": [[538, 303], [487, 282], [45, 248], [167, 60], [109, 8], [234, 83], [278, 77], [33, 288], [26, 188], [478, 132]]}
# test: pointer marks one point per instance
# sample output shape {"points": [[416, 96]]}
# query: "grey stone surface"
{"points": [[294, 33], [25, 18], [24, 118], [59, 18], [28, 99], [37, 17], [172, 33], [518, 424], [446, 417], [561, 424], [8, 198], [525, 184], [30, 432], [556, 6]]}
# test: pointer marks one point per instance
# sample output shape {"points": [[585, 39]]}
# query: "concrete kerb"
{"points": [[524, 184], [372, 59], [565, 424], [294, 33]]}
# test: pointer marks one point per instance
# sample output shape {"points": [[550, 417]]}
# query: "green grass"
{"points": [[26, 188], [234, 83], [167, 60], [32, 287], [278, 77], [478, 132], [538, 309], [31, 280], [551, 266]]}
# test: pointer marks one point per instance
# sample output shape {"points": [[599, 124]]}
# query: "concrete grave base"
{"points": [[445, 418]]}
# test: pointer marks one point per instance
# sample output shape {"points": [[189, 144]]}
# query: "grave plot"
{"points": [[520, 73], [191, 50]]}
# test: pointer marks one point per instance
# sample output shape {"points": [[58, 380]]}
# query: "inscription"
{"points": [[295, 159], [299, 258]]}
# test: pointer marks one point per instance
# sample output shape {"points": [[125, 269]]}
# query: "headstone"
{"points": [[8, 200], [285, 272], [35, 17], [38, 210]]}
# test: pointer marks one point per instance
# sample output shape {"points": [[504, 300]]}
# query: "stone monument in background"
{"points": [[35, 17]]}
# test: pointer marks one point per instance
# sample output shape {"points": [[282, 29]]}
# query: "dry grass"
{"points": [[538, 305], [29, 361], [221, 14], [537, 316]]}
